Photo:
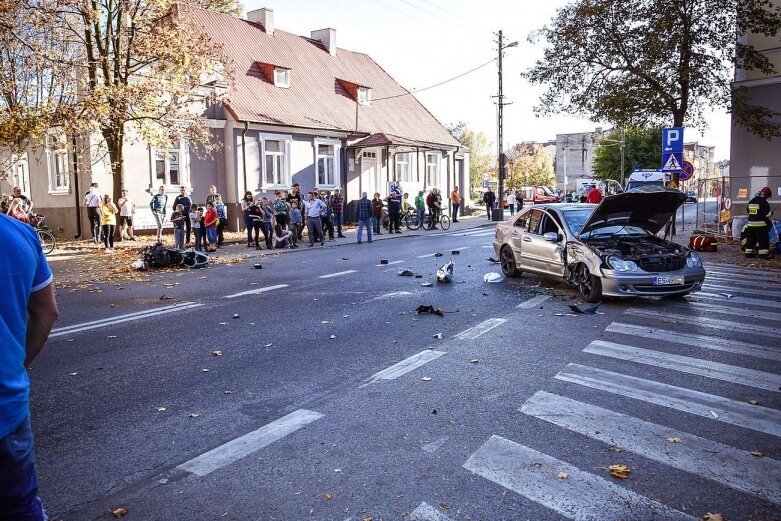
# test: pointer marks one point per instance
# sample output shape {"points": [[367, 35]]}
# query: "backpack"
{"points": [[703, 243]]}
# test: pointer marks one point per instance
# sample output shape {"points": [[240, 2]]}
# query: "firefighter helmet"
{"points": [[766, 192]]}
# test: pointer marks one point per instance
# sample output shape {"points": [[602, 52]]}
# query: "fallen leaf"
{"points": [[193, 415], [444, 506], [426, 378], [327, 497], [474, 361], [161, 409], [563, 475], [756, 453], [119, 512], [619, 471], [674, 440], [753, 402], [714, 517], [217, 353]]}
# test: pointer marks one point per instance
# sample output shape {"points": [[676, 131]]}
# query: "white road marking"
{"points": [[390, 263], [732, 467], [731, 271], [462, 248], [434, 445], [726, 310], [251, 442], [393, 294], [257, 291], [533, 302], [715, 323], [742, 284], [702, 295], [691, 339], [581, 496], [735, 290], [337, 274], [403, 367], [129, 317], [486, 246], [688, 365], [743, 414], [480, 329], [426, 512]]}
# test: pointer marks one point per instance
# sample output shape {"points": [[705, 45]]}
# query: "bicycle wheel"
{"points": [[411, 222], [444, 222], [48, 242]]}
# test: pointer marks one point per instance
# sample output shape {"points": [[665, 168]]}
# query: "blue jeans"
{"points": [[19, 499], [179, 238], [314, 226], [338, 223], [421, 213], [377, 224], [455, 211], [361, 224]]}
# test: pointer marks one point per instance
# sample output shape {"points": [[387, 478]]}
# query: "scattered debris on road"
{"points": [[492, 277], [438, 335], [431, 310], [619, 471], [588, 310], [445, 272], [406, 273], [119, 512]]}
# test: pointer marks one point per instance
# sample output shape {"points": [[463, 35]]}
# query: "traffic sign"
{"points": [[486, 184], [687, 171], [671, 161], [486, 176], [672, 140]]}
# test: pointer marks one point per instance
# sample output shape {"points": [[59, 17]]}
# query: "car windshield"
{"points": [[547, 190], [575, 219]]}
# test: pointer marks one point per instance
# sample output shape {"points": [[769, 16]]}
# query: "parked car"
{"points": [[610, 249], [691, 196], [538, 194]]}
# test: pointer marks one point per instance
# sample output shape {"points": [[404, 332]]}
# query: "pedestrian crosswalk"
{"points": [[709, 342]]}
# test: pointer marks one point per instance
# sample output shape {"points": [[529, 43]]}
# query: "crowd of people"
{"points": [[17, 205]]}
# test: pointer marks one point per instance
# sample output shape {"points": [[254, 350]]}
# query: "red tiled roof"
{"points": [[316, 98]]}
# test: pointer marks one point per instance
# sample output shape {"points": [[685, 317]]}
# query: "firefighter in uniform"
{"points": [[759, 223]]}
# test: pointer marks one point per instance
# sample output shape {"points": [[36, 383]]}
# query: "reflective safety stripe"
{"points": [[756, 224], [753, 209]]}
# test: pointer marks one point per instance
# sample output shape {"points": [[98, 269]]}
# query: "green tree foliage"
{"points": [[530, 165], [642, 149], [481, 156], [654, 62]]}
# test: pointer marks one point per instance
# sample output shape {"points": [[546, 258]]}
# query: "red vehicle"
{"points": [[538, 195]]}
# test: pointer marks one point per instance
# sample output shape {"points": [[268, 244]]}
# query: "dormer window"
{"points": [[364, 95], [282, 77]]}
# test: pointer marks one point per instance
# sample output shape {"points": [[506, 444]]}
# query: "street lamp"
{"points": [[500, 123]]}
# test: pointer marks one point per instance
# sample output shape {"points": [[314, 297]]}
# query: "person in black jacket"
{"points": [[186, 203], [489, 198], [759, 223]]}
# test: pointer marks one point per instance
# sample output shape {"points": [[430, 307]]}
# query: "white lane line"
{"points": [[77, 328], [702, 295], [480, 329], [429, 255], [389, 263], [393, 294], [729, 271], [257, 291], [533, 302], [735, 290], [686, 364], [462, 248], [691, 339], [714, 323], [337, 274], [486, 246], [403, 367], [126, 315], [742, 284], [734, 468], [251, 442], [581, 496], [426, 512], [725, 310], [743, 414]]}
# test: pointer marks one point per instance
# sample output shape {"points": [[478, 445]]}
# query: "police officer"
{"points": [[759, 223]]}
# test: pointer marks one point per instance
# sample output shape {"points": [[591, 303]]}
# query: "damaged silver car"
{"points": [[609, 249]]}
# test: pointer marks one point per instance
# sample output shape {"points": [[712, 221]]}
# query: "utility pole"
{"points": [[623, 146], [502, 160]]}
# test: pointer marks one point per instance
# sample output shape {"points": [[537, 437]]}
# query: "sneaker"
{"points": [[341, 236], [310, 245], [359, 242], [369, 240], [107, 250], [322, 243]]}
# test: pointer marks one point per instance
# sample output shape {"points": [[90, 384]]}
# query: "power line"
{"points": [[440, 83]]}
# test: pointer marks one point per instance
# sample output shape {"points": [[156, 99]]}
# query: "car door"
{"points": [[541, 255], [516, 235]]}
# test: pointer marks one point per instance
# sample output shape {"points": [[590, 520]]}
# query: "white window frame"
{"points": [[398, 158], [438, 164], [337, 173], [56, 159], [183, 152], [266, 182], [282, 77], [17, 168], [364, 95]]}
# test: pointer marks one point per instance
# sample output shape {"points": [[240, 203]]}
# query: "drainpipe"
{"points": [[244, 154], [76, 188]]}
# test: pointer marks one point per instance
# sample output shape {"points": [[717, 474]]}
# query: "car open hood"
{"points": [[648, 207]]}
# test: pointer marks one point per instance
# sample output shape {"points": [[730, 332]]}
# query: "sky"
{"points": [[424, 42]]}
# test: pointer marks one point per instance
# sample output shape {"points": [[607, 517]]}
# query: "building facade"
{"points": [[574, 157], [300, 110]]}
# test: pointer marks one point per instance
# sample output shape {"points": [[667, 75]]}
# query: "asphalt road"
{"points": [[332, 399]]}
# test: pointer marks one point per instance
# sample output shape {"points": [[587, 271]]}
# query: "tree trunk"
{"points": [[114, 143]]}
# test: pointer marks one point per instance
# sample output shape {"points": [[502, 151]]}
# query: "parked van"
{"points": [[640, 178], [538, 194]]}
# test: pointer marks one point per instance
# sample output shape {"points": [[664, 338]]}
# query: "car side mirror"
{"points": [[551, 237]]}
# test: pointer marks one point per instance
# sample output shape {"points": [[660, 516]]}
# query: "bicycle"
{"points": [[408, 218], [48, 242], [443, 221]]}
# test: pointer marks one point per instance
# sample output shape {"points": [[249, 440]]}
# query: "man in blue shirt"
{"points": [[314, 224], [27, 312], [363, 211]]}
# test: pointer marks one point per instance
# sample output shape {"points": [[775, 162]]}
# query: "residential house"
{"points": [[301, 110]]}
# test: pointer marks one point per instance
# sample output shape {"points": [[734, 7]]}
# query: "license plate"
{"points": [[668, 281]]}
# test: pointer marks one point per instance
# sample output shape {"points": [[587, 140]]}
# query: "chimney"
{"points": [[328, 38], [264, 17]]}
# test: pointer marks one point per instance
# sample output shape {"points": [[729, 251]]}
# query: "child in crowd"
{"points": [[177, 218], [296, 223], [222, 213], [210, 221], [195, 219]]}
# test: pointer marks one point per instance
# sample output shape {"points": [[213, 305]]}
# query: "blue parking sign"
{"points": [[672, 140]]}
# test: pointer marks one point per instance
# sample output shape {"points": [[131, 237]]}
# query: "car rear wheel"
{"points": [[507, 261], [589, 286]]}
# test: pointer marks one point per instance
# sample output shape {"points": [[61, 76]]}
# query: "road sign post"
{"points": [[672, 159]]}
